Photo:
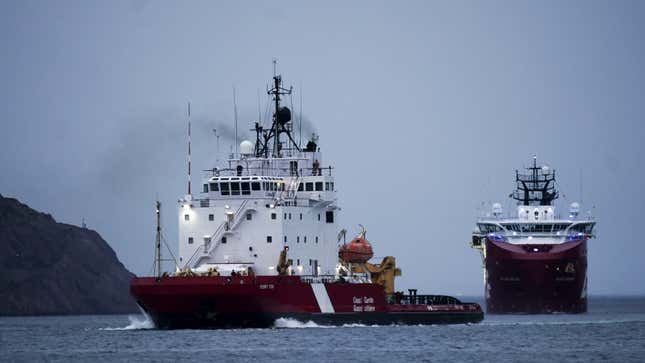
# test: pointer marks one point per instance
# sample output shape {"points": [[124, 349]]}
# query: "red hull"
{"points": [[523, 280], [243, 301]]}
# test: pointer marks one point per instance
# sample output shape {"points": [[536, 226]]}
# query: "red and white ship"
{"points": [[261, 242], [535, 261]]}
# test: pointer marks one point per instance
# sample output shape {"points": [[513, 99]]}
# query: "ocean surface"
{"points": [[613, 330]]}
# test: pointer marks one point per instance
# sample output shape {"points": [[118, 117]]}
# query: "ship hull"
{"points": [[257, 302], [536, 279]]}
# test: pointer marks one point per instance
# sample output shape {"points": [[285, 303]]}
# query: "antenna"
{"points": [[216, 146], [259, 110], [158, 242], [300, 118], [235, 116], [581, 190], [189, 193]]}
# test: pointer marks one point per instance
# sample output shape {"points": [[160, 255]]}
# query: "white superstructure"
{"points": [[535, 220], [270, 196]]}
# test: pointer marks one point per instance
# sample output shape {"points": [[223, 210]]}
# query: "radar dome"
{"points": [[246, 147], [497, 209], [574, 209]]}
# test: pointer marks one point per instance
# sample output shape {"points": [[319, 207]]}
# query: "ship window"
{"points": [[329, 217], [316, 239], [332, 186], [211, 217], [488, 228], [285, 239], [269, 239], [298, 262], [285, 216], [255, 186], [289, 215], [235, 188], [214, 187], [319, 216], [190, 240], [300, 216], [249, 216], [273, 216], [319, 186], [304, 239], [205, 188], [327, 186], [223, 240], [246, 188], [224, 188], [186, 217], [297, 239], [207, 241], [301, 187], [309, 187], [245, 178]]}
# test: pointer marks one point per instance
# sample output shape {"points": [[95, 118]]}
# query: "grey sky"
{"points": [[424, 108]]}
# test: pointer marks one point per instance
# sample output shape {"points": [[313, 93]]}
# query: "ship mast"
{"points": [[538, 187], [281, 115]]}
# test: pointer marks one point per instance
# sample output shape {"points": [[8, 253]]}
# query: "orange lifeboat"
{"points": [[359, 250]]}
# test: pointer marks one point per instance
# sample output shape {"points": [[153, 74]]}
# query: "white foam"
{"points": [[293, 323], [136, 324]]}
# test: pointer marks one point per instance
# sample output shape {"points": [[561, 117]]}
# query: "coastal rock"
{"points": [[55, 268]]}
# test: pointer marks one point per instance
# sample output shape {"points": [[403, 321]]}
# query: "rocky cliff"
{"points": [[55, 268]]}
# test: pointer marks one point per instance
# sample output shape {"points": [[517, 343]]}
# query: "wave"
{"points": [[293, 323], [297, 324], [136, 324]]}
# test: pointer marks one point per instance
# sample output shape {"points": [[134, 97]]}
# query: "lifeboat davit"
{"points": [[359, 250]]}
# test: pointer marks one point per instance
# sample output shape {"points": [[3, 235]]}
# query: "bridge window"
{"points": [[329, 217], [319, 186], [273, 216], [224, 188], [301, 187], [235, 188], [246, 188], [211, 217], [214, 187], [269, 239], [255, 186], [190, 240], [309, 187], [326, 186], [205, 188]]}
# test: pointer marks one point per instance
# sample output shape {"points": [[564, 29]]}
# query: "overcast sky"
{"points": [[424, 108]]}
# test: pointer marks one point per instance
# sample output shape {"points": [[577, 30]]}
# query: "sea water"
{"points": [[613, 330]]}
